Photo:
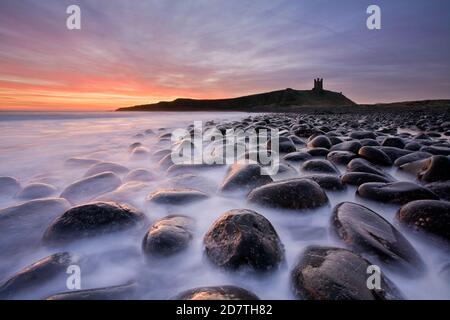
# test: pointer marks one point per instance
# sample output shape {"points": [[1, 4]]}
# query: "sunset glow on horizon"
{"points": [[137, 52]]}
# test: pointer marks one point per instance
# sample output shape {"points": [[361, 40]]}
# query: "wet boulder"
{"points": [[341, 157], [192, 181], [89, 220], [436, 150], [176, 196], [327, 181], [350, 146], [217, 293], [366, 232], [395, 142], [91, 187], [299, 156], [168, 236], [362, 135], [394, 153], [36, 191], [9, 186], [320, 141], [244, 178], [22, 284], [319, 166], [243, 238], [285, 145], [396, 192], [120, 292], [441, 189], [375, 156], [359, 178], [412, 157], [428, 216], [294, 194], [361, 165], [434, 169], [326, 273], [318, 152]]}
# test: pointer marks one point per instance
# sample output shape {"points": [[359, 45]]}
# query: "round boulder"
{"points": [[395, 192], [434, 169], [325, 273], [168, 236], [243, 239], [429, 216], [294, 194], [367, 232], [91, 220], [244, 178], [176, 196]]}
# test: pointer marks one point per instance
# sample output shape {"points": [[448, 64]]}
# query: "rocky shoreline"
{"points": [[321, 155]]}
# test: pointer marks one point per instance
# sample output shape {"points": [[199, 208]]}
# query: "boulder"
{"points": [[375, 156], [244, 178], [176, 196], [120, 292], [319, 166], [341, 157], [415, 156], [395, 192], [428, 216], [350, 146], [366, 232], [36, 275], [434, 169], [359, 178], [243, 238], [441, 189], [106, 167], [327, 181], [326, 273], [89, 220], [168, 236], [9, 186], [294, 194], [320, 141]]}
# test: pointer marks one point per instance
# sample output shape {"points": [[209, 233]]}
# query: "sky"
{"points": [[143, 51]]}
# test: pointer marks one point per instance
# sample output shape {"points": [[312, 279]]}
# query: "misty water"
{"points": [[34, 147]]}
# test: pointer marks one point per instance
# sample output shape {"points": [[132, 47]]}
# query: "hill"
{"points": [[268, 101]]}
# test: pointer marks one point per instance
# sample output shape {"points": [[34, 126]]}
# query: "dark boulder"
{"points": [[243, 239], [176, 196], [341, 157], [217, 293], [366, 232], [318, 152], [320, 142], [375, 156], [394, 153], [436, 150], [350, 146], [244, 178], [396, 192], [319, 166], [393, 142], [299, 156], [91, 220], [294, 194], [327, 181], [36, 275], [359, 178], [441, 189], [361, 165], [325, 273], [429, 216], [168, 236], [415, 156], [436, 168], [363, 135]]}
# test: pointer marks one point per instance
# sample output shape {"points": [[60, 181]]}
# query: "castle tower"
{"points": [[318, 85]]}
